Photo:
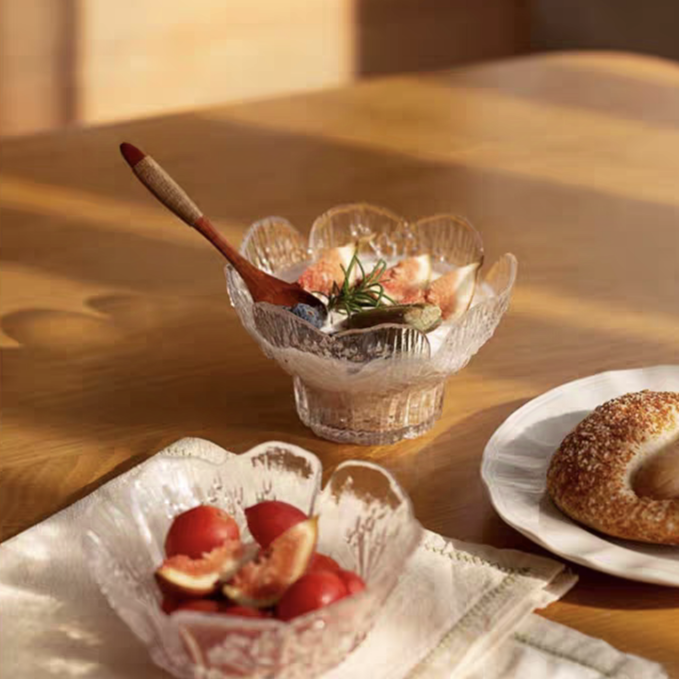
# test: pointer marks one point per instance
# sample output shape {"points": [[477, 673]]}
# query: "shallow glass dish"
{"points": [[383, 384], [366, 523]]}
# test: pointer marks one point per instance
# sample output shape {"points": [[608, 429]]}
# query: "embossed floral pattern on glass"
{"points": [[386, 383], [365, 522]]}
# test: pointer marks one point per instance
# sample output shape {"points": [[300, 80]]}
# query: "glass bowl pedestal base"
{"points": [[369, 418]]}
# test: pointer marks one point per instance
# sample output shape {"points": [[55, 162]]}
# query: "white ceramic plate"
{"points": [[515, 463]]}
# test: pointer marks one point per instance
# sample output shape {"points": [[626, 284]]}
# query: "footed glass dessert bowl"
{"points": [[365, 522], [385, 382]]}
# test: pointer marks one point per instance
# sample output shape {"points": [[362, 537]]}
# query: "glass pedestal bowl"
{"points": [[383, 384], [365, 522]]}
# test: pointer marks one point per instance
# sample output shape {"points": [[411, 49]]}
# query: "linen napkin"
{"points": [[464, 611], [459, 611]]}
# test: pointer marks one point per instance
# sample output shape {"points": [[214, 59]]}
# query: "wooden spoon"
{"points": [[262, 286]]}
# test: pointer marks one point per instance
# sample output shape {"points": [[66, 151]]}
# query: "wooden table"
{"points": [[117, 334]]}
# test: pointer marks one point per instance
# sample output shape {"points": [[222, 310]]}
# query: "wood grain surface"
{"points": [[118, 338]]}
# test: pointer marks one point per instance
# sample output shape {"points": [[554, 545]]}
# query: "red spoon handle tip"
{"points": [[160, 184], [131, 154]]}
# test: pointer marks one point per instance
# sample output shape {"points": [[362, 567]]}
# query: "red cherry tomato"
{"points": [[205, 605], [244, 612], [353, 581], [323, 562], [311, 591], [267, 520], [200, 530]]}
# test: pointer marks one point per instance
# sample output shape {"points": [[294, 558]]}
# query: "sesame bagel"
{"points": [[591, 477]]}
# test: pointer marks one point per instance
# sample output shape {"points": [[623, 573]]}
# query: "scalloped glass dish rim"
{"points": [[490, 301], [91, 540]]}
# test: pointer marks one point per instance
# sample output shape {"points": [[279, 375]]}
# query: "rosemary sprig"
{"points": [[366, 293]]}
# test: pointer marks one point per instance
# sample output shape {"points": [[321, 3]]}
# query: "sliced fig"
{"points": [[328, 269], [404, 280], [262, 582], [453, 292], [180, 575]]}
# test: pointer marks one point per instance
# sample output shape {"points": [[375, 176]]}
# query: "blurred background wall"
{"points": [[647, 26], [66, 62]]}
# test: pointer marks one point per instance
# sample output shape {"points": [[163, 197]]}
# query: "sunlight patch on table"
{"points": [[601, 317]]}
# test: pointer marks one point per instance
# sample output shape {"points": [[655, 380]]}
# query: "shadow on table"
{"points": [[514, 211], [151, 359], [451, 499], [125, 378], [446, 489], [106, 376], [56, 240], [599, 590]]}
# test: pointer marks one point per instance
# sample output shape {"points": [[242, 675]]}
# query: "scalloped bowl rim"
{"points": [[91, 539], [232, 275]]}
